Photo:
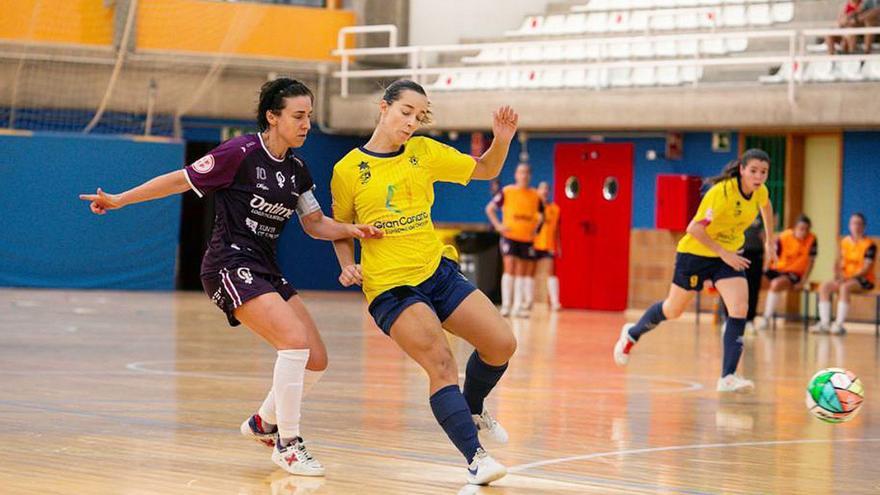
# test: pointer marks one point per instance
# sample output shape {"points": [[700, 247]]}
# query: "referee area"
{"points": [[119, 376]]}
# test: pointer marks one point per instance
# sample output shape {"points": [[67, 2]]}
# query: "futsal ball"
{"points": [[834, 395]]}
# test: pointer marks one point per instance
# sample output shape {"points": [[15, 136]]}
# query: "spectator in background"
{"points": [[853, 14]]}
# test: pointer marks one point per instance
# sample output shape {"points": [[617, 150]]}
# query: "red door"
{"points": [[593, 187]]}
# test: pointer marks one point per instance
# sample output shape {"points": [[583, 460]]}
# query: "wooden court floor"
{"points": [[143, 393]]}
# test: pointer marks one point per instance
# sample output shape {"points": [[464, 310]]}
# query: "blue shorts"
{"points": [[442, 292], [692, 270]]}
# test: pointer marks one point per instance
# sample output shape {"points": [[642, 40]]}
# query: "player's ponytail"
{"points": [[732, 169], [272, 95]]}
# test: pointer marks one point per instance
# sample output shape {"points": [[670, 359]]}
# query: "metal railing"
{"points": [[418, 67]]}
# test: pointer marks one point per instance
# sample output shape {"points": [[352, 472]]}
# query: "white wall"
{"points": [[434, 22]]}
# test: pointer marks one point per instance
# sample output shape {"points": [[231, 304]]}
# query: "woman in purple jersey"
{"points": [[259, 183]]}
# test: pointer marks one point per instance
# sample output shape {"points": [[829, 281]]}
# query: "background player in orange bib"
{"points": [[796, 250], [853, 273], [547, 243], [522, 212]]}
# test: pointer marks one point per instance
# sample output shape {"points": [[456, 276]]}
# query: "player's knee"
{"points": [[503, 348], [671, 311], [442, 366], [317, 360], [291, 339]]}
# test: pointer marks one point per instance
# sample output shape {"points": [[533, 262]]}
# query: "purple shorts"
{"points": [[229, 288]]}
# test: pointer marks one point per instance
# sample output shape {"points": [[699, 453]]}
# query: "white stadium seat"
{"points": [[759, 14], [575, 24], [822, 71], [643, 76], [597, 22], [734, 16], [668, 76], [849, 70], [783, 12], [619, 77], [871, 70]]}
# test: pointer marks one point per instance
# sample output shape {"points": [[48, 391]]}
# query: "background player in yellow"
{"points": [[521, 214], [709, 252], [853, 273], [547, 243], [796, 251], [411, 279]]}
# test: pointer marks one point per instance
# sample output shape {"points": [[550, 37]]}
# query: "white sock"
{"points": [[770, 304], [825, 312], [506, 290], [842, 309], [267, 408], [287, 386], [529, 292], [553, 290], [518, 292]]}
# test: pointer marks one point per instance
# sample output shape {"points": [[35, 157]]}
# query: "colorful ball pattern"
{"points": [[834, 395]]}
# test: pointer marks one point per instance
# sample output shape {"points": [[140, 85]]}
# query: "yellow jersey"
{"points": [[726, 213], [394, 192], [546, 240]]}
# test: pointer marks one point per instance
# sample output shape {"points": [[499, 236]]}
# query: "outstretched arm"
{"points": [[319, 226], [155, 188], [504, 121]]}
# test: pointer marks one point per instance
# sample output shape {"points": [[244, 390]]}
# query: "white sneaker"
{"points": [[555, 307], [255, 428], [296, 459], [623, 346], [750, 328], [837, 329], [505, 311], [484, 469], [523, 313], [819, 328], [733, 383], [762, 323], [489, 428]]}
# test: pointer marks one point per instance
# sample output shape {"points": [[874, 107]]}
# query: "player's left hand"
{"points": [[361, 231], [504, 121]]}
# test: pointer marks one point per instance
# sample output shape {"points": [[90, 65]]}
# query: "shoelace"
{"points": [[480, 454], [488, 420], [301, 449]]}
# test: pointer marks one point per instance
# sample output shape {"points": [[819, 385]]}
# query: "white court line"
{"points": [[598, 455]]}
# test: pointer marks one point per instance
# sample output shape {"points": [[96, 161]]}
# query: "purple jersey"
{"points": [[255, 195]]}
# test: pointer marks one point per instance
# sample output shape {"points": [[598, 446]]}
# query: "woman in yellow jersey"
{"points": [[410, 279], [709, 252], [521, 212], [796, 251], [853, 273], [547, 242]]}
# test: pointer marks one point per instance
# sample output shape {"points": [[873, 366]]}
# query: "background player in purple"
{"points": [[259, 183]]}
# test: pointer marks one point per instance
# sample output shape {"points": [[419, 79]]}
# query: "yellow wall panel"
{"points": [[240, 28], [86, 22], [822, 198]]}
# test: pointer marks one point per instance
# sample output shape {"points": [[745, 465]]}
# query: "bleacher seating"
{"points": [[672, 32], [656, 15], [827, 71]]}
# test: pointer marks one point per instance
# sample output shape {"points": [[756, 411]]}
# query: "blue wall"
{"points": [[458, 204], [861, 179], [51, 239]]}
